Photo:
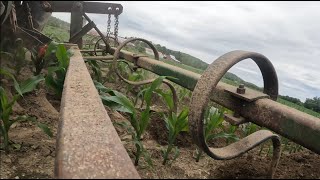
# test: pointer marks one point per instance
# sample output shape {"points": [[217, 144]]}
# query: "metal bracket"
{"points": [[88, 7], [136, 56], [249, 95], [41, 37], [82, 32], [235, 121]]}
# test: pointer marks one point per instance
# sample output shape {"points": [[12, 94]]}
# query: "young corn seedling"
{"points": [[119, 102], [57, 74], [183, 93], [134, 76], [175, 124], [97, 74], [213, 119], [249, 128], [6, 107]]}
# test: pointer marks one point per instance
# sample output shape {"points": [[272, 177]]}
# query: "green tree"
{"points": [[178, 56], [292, 99], [313, 104], [141, 49]]}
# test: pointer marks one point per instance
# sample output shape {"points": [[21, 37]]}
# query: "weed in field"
{"points": [[6, 107]]}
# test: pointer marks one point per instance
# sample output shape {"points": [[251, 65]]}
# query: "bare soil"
{"points": [[35, 158], [302, 165]]}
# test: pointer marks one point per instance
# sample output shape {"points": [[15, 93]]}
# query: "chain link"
{"points": [[108, 27], [116, 29]]}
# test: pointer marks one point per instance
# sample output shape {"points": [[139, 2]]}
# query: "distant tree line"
{"points": [[183, 57], [313, 103]]}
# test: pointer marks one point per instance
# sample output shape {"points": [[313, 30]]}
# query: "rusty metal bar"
{"points": [[97, 29], [76, 21], [88, 7], [90, 50], [75, 38], [297, 126], [98, 57], [88, 145]]}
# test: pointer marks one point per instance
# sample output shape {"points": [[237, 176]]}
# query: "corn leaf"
{"points": [[62, 56], [182, 120], [45, 129], [116, 104], [154, 85], [16, 84], [145, 119], [167, 98], [30, 84], [52, 48]]}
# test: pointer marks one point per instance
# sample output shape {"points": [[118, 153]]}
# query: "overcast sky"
{"points": [[288, 33]]}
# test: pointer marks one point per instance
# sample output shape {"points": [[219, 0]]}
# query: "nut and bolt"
{"points": [[241, 89]]}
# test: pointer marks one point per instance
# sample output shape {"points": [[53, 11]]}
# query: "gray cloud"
{"points": [[285, 32]]}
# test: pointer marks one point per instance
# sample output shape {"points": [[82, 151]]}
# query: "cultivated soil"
{"points": [[35, 157]]}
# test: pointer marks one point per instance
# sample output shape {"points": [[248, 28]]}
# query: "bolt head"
{"points": [[241, 89]]}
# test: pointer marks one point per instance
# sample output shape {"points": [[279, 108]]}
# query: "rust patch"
{"points": [[88, 145]]}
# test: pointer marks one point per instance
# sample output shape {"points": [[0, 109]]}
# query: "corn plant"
{"points": [[119, 102], [97, 74], [183, 92], [134, 76], [290, 146], [56, 74], [213, 119], [249, 128], [175, 124], [6, 107]]}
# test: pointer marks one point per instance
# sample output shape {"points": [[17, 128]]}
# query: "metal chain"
{"points": [[108, 27], [29, 16], [116, 29]]}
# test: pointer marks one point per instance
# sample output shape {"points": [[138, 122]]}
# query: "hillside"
{"points": [[59, 30]]}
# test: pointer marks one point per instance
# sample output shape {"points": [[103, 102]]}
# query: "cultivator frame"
{"points": [[254, 106], [248, 105]]}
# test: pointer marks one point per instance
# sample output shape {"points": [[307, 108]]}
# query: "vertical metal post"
{"points": [[76, 20]]}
